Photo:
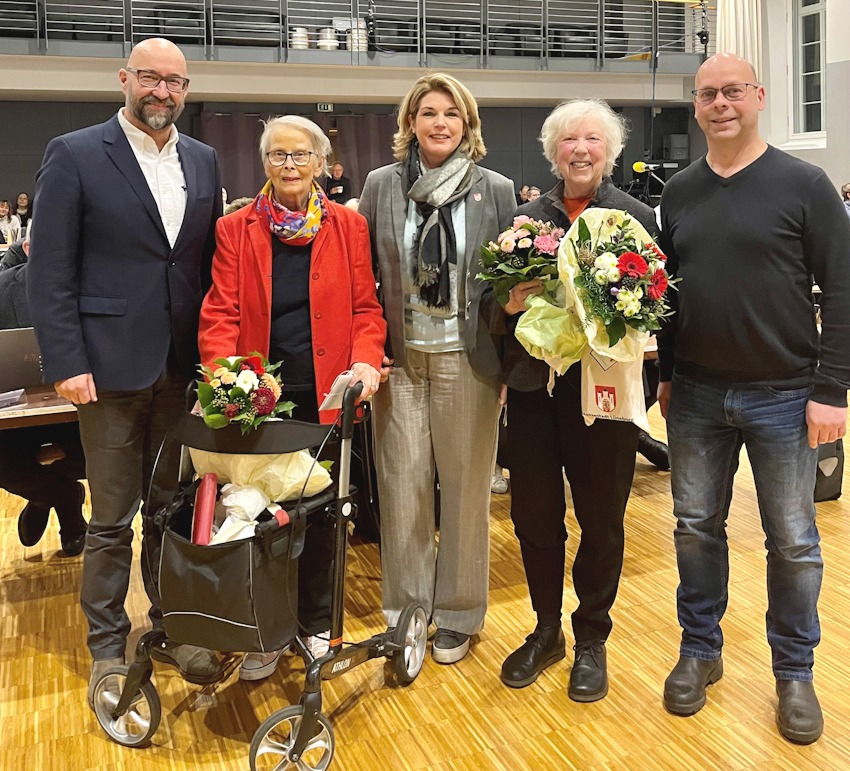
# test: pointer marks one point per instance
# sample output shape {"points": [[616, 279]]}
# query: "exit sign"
{"points": [[324, 107]]}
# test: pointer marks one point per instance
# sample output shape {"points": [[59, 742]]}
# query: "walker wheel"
{"points": [[139, 723], [275, 738], [411, 634]]}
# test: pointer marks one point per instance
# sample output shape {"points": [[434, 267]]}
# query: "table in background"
{"points": [[44, 406]]}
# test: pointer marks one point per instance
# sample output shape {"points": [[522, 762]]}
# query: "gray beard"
{"points": [[156, 121]]}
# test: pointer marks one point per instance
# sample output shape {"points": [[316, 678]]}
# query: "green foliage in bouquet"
{"points": [[525, 251], [242, 389]]}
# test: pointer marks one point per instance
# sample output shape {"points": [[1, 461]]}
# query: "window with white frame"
{"points": [[809, 66]]}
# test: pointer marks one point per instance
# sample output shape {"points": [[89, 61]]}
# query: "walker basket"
{"points": [[238, 596]]}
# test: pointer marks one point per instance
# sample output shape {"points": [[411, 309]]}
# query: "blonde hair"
{"points": [[318, 141], [471, 144], [615, 129]]}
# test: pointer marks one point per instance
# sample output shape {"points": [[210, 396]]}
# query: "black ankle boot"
{"points": [[654, 451], [684, 688], [542, 648], [798, 715], [589, 675]]}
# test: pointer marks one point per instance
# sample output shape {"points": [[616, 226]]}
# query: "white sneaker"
{"points": [[498, 483], [319, 644], [258, 666]]}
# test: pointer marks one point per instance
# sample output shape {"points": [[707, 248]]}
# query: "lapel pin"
{"points": [[476, 196]]}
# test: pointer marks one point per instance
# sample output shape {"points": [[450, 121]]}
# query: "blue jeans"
{"points": [[707, 425]]}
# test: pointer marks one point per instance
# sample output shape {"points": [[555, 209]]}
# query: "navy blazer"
{"points": [[108, 294]]}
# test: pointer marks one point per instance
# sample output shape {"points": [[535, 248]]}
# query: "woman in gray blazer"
{"points": [[428, 215]]}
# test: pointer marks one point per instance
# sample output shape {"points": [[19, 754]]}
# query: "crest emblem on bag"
{"points": [[606, 398]]}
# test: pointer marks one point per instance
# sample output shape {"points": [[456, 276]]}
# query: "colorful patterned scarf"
{"points": [[295, 228]]}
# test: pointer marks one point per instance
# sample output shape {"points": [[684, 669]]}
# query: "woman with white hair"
{"points": [[548, 438], [292, 280]]}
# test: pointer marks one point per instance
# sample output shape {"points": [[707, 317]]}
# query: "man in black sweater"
{"points": [[338, 186], [746, 228]]}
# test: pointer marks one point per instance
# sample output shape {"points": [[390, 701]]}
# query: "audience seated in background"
{"points": [[845, 196], [522, 195], [23, 210], [10, 225], [338, 186], [533, 193], [44, 487]]}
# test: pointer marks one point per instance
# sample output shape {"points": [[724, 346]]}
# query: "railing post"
{"points": [[544, 35], [600, 35]]}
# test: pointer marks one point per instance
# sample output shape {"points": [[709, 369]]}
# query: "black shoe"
{"points": [[196, 665], [684, 688], [654, 451], [798, 715], [542, 648], [74, 546], [72, 524], [32, 522], [589, 675]]}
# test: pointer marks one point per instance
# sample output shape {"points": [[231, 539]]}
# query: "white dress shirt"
{"points": [[163, 173]]}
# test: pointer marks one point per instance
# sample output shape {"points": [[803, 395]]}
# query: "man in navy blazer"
{"points": [[119, 265]]}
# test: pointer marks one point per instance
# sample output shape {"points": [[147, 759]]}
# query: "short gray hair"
{"points": [[615, 129], [319, 142]]}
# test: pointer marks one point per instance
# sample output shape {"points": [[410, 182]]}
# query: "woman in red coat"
{"points": [[292, 279]]}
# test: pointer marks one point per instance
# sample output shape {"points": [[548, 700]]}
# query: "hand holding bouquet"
{"points": [[525, 251], [242, 389], [614, 283], [621, 279]]}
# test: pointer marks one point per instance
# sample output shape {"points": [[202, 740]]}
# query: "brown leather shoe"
{"points": [[196, 665], [798, 716], [684, 688]]}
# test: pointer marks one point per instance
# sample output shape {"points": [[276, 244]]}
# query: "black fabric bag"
{"points": [[229, 597], [830, 471]]}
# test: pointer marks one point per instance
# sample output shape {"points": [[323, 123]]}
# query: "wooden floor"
{"points": [[452, 717]]}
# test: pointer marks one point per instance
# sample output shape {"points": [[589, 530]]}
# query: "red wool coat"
{"points": [[346, 320]]}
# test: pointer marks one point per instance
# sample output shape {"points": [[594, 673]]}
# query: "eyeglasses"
{"points": [[299, 157], [734, 92], [151, 79]]}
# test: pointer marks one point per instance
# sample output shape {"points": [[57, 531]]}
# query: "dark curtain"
{"points": [[236, 139], [363, 143]]}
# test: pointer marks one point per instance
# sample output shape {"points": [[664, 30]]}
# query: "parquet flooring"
{"points": [[458, 717]]}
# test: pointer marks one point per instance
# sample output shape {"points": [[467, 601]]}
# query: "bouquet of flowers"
{"points": [[246, 390], [621, 278], [614, 284], [525, 251], [242, 389]]}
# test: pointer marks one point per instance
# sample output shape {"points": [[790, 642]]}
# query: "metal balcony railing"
{"points": [[524, 34]]}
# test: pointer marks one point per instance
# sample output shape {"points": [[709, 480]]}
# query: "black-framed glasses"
{"points": [[151, 79], [299, 157], [734, 92]]}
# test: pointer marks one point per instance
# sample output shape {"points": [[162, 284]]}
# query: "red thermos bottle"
{"points": [[205, 499]]}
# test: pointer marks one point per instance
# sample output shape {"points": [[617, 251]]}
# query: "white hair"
{"points": [[614, 128], [320, 144]]}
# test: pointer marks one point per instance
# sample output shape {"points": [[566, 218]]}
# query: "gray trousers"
{"points": [[443, 417], [121, 434]]}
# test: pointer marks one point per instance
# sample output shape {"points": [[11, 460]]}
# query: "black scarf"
{"points": [[433, 192]]}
